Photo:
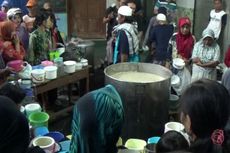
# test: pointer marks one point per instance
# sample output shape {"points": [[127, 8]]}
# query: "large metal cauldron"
{"points": [[145, 104]]}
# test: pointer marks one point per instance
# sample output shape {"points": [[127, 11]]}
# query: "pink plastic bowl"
{"points": [[17, 65], [47, 63]]}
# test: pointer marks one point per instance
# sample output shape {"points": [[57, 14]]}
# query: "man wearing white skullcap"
{"points": [[159, 36], [127, 43]]}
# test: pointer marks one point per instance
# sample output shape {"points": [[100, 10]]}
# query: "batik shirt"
{"points": [[39, 45]]}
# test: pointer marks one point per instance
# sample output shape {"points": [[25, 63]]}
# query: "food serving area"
{"points": [[63, 79], [145, 101]]}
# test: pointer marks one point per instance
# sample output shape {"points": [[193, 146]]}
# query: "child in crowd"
{"points": [[218, 18], [160, 36], [153, 22], [171, 141]]}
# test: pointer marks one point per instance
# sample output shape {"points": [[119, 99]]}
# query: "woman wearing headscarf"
{"points": [[15, 15], [12, 48], [205, 57], [181, 46], [183, 41], [97, 122], [14, 129]]}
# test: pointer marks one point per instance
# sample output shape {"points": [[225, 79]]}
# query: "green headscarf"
{"points": [[97, 122]]}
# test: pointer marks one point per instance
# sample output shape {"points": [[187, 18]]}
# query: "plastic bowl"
{"points": [[16, 65], [178, 63], [38, 119], [135, 144], [57, 136], [153, 140], [175, 80]]}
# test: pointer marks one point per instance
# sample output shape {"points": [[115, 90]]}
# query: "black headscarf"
{"points": [[14, 128]]}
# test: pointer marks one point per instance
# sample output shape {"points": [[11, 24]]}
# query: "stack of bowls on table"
{"points": [[84, 62]]}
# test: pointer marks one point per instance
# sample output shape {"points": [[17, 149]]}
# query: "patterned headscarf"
{"points": [[97, 122]]}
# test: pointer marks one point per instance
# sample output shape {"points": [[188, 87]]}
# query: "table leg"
{"points": [[70, 93], [44, 101]]}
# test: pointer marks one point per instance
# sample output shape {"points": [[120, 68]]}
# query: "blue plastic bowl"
{"points": [[40, 131], [37, 67], [153, 140], [57, 136]]}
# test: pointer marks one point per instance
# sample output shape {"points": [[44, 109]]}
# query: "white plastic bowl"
{"points": [[84, 62], [51, 72], [69, 66], [178, 63]]}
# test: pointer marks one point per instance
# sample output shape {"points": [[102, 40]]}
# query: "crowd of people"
{"points": [[28, 37], [165, 38]]}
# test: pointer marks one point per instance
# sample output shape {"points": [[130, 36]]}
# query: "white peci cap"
{"points": [[125, 11], [161, 17]]}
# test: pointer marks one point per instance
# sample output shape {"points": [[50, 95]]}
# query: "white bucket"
{"points": [[32, 108], [38, 75], [69, 66], [51, 72]]}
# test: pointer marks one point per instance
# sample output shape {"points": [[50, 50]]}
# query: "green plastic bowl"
{"points": [[38, 119]]}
